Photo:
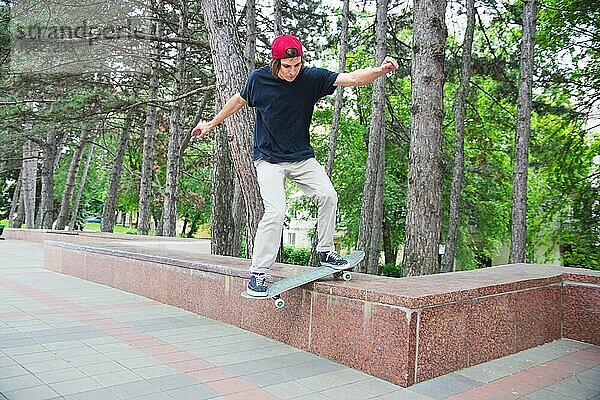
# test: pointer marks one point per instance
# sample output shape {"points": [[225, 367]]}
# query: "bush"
{"points": [[392, 270], [296, 255]]}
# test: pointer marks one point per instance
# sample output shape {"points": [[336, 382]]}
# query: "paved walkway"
{"points": [[66, 338]]}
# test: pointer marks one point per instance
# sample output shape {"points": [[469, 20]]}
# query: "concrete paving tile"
{"points": [[569, 345], [61, 375], [102, 368], [574, 390], [288, 390], [233, 385], [544, 394], [591, 373], [264, 378], [402, 394], [7, 344], [374, 386], [76, 352], [73, 386], [126, 354], [46, 366], [21, 350], [544, 353], [323, 366], [173, 381], [235, 358], [64, 344], [347, 392], [38, 393], [155, 396], [314, 396], [98, 394], [9, 371], [133, 389], [19, 382], [320, 383], [139, 362], [88, 360], [156, 371], [516, 362], [194, 392], [347, 375], [445, 386], [6, 361], [116, 378], [254, 394], [36, 357], [496, 369], [484, 373], [99, 340]]}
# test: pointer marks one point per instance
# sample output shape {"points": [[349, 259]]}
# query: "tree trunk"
{"points": [[238, 206], [459, 150], [222, 222], [16, 198], [278, 15], [169, 214], [29, 189], [20, 217], [390, 253], [519, 201], [250, 47], [145, 199], [371, 213], [67, 197], [112, 192], [82, 180], [424, 195], [339, 95], [49, 160], [337, 113], [230, 70]]}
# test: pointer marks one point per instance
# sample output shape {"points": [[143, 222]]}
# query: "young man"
{"points": [[284, 95]]}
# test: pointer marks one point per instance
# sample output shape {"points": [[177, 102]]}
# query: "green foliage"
{"points": [[296, 255], [563, 178], [391, 270]]}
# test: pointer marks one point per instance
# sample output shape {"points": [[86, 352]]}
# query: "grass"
{"points": [[92, 226], [203, 232]]}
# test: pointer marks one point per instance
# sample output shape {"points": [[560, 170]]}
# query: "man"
{"points": [[284, 95]]}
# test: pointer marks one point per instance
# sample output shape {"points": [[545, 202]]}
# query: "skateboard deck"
{"points": [[277, 288]]}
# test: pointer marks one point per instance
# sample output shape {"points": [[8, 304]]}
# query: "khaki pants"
{"points": [[310, 176]]}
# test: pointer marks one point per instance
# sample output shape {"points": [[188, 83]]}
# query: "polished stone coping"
{"points": [[409, 292]]}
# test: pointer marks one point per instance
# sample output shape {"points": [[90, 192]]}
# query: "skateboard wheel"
{"points": [[279, 303], [346, 276]]}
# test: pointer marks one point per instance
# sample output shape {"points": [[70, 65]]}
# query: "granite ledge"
{"points": [[40, 235], [410, 292]]}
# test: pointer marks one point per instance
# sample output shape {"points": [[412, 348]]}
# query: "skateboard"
{"points": [[275, 290]]}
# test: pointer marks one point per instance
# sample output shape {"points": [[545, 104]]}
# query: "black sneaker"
{"points": [[256, 286], [331, 259]]}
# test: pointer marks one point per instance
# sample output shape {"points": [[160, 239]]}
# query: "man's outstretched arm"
{"points": [[231, 107], [366, 75]]}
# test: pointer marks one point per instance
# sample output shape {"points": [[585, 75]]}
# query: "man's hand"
{"points": [[389, 65], [202, 129]]}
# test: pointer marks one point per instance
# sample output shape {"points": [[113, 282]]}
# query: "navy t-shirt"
{"points": [[284, 111]]}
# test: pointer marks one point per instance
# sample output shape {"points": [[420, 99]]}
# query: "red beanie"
{"points": [[284, 42]]}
